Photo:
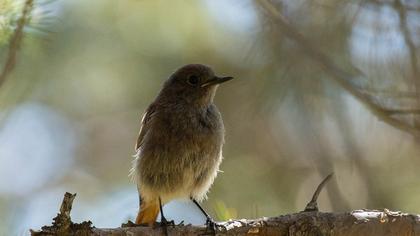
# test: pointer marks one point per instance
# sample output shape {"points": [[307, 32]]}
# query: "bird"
{"points": [[179, 147]]}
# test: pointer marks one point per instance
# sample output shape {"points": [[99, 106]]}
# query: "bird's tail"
{"points": [[148, 212]]}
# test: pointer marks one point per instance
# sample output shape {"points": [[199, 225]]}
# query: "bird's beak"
{"points": [[216, 80]]}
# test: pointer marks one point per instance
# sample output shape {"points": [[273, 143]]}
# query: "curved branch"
{"points": [[313, 204], [402, 14], [340, 76], [15, 41]]}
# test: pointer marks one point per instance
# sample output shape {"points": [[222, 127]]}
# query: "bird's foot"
{"points": [[164, 223], [213, 227], [129, 224]]}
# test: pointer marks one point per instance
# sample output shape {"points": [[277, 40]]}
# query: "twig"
{"points": [[15, 41], [66, 205], [390, 3], [338, 75], [62, 224], [403, 112], [313, 204], [392, 94], [402, 14]]}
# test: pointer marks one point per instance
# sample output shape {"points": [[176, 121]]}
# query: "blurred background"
{"points": [[321, 86]]}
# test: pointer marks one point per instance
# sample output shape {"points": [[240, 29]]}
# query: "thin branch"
{"points": [[313, 204], [390, 94], [403, 112], [66, 205], [390, 3], [62, 224], [337, 74], [15, 41], [402, 14]]}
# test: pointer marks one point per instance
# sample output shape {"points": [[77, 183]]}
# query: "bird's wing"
{"points": [[145, 124], [147, 214]]}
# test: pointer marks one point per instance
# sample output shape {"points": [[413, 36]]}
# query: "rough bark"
{"points": [[361, 222], [358, 222]]}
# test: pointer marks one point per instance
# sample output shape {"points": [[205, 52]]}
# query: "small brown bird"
{"points": [[179, 148]]}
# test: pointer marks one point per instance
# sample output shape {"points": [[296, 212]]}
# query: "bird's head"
{"points": [[195, 84]]}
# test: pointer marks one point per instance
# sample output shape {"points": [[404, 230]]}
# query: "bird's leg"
{"points": [[211, 224], [163, 222]]}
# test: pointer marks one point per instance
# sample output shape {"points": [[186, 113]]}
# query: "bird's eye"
{"points": [[193, 80]]}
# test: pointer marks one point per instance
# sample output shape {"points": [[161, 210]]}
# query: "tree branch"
{"points": [[402, 14], [340, 76], [358, 222], [403, 112], [313, 204], [62, 224], [15, 41], [390, 3]]}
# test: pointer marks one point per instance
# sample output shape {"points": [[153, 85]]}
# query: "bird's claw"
{"points": [[164, 223], [213, 226]]}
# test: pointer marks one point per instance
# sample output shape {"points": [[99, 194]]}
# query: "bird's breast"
{"points": [[191, 130], [183, 146]]}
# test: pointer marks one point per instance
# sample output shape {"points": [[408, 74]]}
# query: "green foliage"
{"points": [[223, 212], [9, 13]]}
